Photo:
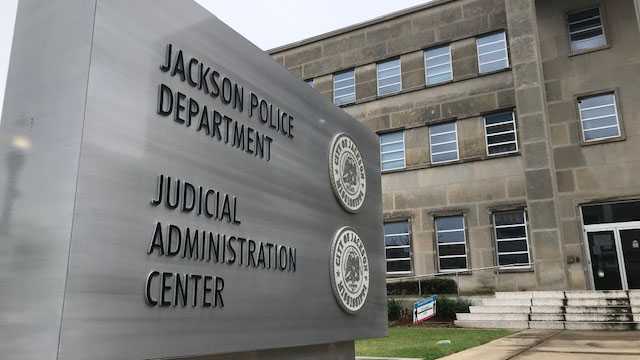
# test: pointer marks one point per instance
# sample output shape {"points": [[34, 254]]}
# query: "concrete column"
{"points": [[541, 184], [637, 4]]}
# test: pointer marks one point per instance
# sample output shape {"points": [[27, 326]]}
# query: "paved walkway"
{"points": [[558, 345], [382, 358]]}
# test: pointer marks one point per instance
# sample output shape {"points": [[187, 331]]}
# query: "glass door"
{"points": [[604, 260], [630, 242]]}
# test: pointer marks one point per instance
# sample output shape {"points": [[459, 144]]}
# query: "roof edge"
{"points": [[357, 26]]}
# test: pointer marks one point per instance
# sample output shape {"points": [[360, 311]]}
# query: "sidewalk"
{"points": [[558, 345]]}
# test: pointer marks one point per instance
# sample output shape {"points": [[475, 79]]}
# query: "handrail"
{"points": [[521, 266]]}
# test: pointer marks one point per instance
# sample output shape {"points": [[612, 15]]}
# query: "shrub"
{"points": [[423, 287], [446, 308], [394, 310], [438, 286], [403, 288]]}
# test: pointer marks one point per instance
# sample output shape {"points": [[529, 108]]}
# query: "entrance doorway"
{"points": [[613, 246]]}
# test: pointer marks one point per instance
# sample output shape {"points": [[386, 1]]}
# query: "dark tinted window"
{"points": [[511, 238], [450, 235], [585, 30], [397, 243], [610, 213]]}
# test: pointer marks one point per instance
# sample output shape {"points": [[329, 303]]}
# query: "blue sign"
{"points": [[424, 309]]}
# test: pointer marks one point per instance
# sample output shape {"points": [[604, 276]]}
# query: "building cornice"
{"points": [[357, 26]]}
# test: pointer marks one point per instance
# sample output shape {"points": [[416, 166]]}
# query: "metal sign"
{"points": [[179, 203]]}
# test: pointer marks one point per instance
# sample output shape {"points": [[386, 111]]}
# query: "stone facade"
{"points": [[552, 173]]}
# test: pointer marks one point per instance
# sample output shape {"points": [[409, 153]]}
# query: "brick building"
{"points": [[510, 136]]}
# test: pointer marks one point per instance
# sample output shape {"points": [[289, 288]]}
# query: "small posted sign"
{"points": [[424, 309]]}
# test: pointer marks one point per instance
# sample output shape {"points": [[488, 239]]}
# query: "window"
{"points": [[389, 77], [511, 239], [452, 245], [437, 64], [397, 244], [392, 151], [492, 53], [500, 131], [599, 117], [586, 30], [444, 142], [625, 211], [310, 82], [344, 87]]}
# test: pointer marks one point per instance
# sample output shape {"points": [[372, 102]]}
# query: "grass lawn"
{"points": [[420, 342]]}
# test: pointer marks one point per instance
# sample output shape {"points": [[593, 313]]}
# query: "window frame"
{"points": [[388, 85], [455, 125], [409, 233], [466, 243], [404, 150], [603, 24], [426, 66], [526, 238], [616, 96], [506, 49], [515, 131], [353, 71]]}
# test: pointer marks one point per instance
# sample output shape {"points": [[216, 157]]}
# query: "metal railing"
{"points": [[482, 278]]}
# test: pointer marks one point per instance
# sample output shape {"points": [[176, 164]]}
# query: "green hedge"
{"points": [[425, 287], [446, 308], [394, 310]]}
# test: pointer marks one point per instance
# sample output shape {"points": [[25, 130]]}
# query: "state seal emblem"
{"points": [[346, 168], [349, 270]]}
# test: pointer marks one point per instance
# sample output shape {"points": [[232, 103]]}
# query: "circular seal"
{"points": [[349, 270], [346, 168]]}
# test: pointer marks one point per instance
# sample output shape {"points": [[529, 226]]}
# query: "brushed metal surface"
{"points": [[338, 351], [288, 200], [40, 135]]}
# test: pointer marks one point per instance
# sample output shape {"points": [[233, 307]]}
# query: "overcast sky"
{"points": [[267, 23]]}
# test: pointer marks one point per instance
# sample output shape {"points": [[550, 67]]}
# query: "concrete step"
{"points": [[529, 295], [546, 325], [599, 317], [548, 295], [489, 317], [572, 310], [586, 294], [500, 309], [547, 309], [597, 302], [506, 302], [597, 310], [584, 325], [495, 324], [547, 302], [546, 317], [514, 295]]}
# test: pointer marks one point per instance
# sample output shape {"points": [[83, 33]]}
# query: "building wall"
{"points": [[601, 171], [550, 175]]}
